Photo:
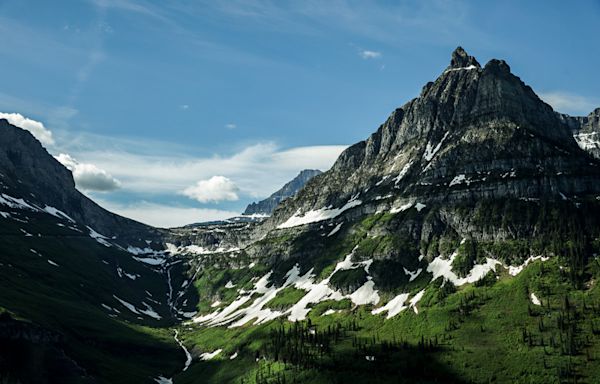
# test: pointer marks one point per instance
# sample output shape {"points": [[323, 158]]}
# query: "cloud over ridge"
{"points": [[88, 176]]}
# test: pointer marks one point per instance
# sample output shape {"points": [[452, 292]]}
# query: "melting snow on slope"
{"points": [[394, 306], [148, 311], [468, 68], [413, 302], [441, 267], [534, 299], [588, 141], [57, 213], [335, 230], [412, 275], [127, 305], [14, 202], [384, 178], [403, 172], [365, 294], [211, 355], [197, 250], [236, 316], [149, 260], [401, 208], [18, 203], [459, 179], [318, 215], [515, 270], [430, 150], [99, 237], [139, 251]]}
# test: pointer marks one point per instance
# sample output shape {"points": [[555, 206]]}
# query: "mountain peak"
{"points": [[461, 59]]}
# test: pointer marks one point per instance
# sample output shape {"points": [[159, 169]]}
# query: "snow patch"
{"points": [[459, 179], [412, 275], [441, 267], [415, 300], [210, 355], [393, 307], [401, 208], [534, 299], [57, 213], [318, 215], [149, 260], [515, 270], [335, 230], [99, 237], [403, 172], [329, 312], [366, 294], [468, 68], [430, 150]]}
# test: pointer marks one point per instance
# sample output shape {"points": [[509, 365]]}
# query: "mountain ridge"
{"points": [[266, 206]]}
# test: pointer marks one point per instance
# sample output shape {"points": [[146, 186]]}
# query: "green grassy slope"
{"points": [[481, 334], [65, 300]]}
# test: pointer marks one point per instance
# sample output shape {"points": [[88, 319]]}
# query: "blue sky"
{"points": [[149, 99]]}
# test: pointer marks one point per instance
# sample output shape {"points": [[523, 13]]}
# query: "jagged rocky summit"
{"points": [[474, 133]]}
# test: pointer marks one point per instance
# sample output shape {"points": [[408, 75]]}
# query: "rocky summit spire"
{"points": [[460, 59]]}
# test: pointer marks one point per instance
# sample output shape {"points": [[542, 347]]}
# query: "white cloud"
{"points": [[88, 176], [366, 54], [230, 126], [184, 106], [37, 129], [213, 190], [570, 103], [258, 170], [165, 216]]}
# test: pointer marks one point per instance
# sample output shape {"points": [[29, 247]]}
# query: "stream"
{"points": [[188, 361]]}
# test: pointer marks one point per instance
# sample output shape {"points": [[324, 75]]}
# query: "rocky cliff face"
{"points": [[473, 133], [30, 173], [586, 131], [268, 205]]}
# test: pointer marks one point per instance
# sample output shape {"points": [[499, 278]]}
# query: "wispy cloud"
{"points": [[230, 126], [366, 54], [571, 103], [165, 215], [136, 7], [434, 21], [258, 169]]}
